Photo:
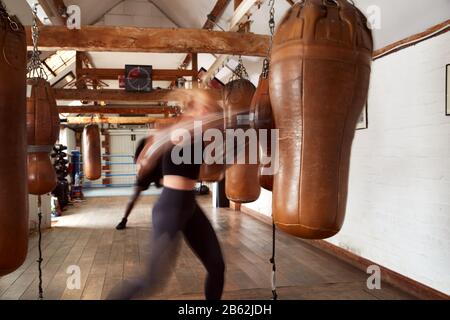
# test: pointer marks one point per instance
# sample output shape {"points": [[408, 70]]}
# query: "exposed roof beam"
{"points": [[124, 96], [121, 120], [240, 16], [59, 9], [214, 15], [132, 39], [117, 110], [157, 74]]}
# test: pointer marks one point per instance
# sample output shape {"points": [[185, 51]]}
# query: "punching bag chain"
{"points": [[14, 26], [39, 261], [274, 266], [266, 63], [240, 72], [35, 68]]}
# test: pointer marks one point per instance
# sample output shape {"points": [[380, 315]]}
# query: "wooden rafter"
{"points": [[61, 9], [214, 15], [118, 110], [157, 74], [240, 16], [124, 96], [132, 39], [121, 120]]}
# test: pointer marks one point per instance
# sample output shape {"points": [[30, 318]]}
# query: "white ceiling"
{"points": [[399, 19]]}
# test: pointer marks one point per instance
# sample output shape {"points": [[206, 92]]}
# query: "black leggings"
{"points": [[174, 213]]}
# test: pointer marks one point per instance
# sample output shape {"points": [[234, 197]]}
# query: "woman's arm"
{"points": [[199, 109]]}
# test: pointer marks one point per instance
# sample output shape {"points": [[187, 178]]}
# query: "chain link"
{"points": [[35, 67], [266, 63], [240, 72], [4, 13], [40, 259]]}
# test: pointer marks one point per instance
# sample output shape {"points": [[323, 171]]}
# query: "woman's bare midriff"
{"points": [[179, 183]]}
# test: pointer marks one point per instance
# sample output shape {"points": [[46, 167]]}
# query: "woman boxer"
{"points": [[176, 212], [144, 184]]}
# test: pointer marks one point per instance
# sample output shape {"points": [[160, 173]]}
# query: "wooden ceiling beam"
{"points": [[120, 120], [157, 74], [111, 95], [133, 39], [214, 15], [121, 110], [240, 16]]}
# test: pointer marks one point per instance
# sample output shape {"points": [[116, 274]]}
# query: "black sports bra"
{"points": [[174, 163]]}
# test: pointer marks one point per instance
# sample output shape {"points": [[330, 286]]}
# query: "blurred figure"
{"points": [[177, 212]]}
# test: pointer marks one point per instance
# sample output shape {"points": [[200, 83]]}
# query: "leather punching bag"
{"points": [[92, 162], [13, 156], [319, 78], [263, 120], [241, 180], [42, 134], [214, 172], [211, 172]]}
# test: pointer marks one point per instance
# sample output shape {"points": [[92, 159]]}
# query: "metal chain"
{"points": [[266, 63], [265, 74], [4, 13], [35, 67], [240, 72], [274, 265], [40, 259]]}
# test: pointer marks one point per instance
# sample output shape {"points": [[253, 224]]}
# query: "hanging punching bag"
{"points": [[92, 162], [42, 134], [214, 172], [241, 180], [13, 156], [319, 78], [211, 172], [263, 120]]}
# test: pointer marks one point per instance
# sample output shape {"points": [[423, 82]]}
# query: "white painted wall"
{"points": [[46, 212], [398, 212], [67, 138]]}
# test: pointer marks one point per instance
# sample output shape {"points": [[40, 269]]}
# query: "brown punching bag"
{"points": [[42, 134], [13, 156], [241, 180], [319, 79], [263, 120], [92, 162], [214, 172]]}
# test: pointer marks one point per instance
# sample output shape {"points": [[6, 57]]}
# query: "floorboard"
{"points": [[85, 236]]}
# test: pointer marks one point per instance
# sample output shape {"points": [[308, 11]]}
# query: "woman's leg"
{"points": [[202, 239], [169, 218]]}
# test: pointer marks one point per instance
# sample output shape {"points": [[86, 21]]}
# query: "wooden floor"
{"points": [[86, 237]]}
